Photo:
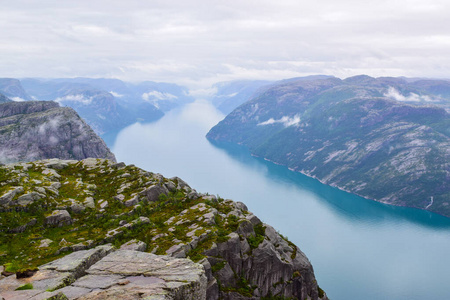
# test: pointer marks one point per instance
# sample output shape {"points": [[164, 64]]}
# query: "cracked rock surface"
{"points": [[122, 274]]}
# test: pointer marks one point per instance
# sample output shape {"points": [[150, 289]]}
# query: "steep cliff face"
{"points": [[41, 129], [51, 208], [357, 134], [4, 99], [13, 89]]}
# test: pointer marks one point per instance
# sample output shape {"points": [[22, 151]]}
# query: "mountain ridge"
{"points": [[351, 136]]}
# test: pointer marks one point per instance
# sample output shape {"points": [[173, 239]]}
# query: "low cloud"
{"points": [[117, 95], [75, 98], [51, 125], [285, 121], [53, 140], [412, 97], [155, 95], [17, 99], [203, 93]]}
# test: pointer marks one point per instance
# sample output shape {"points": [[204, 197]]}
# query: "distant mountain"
{"points": [[110, 104], [4, 99], [101, 109], [165, 96], [12, 88], [162, 95], [231, 94], [41, 129], [386, 139]]}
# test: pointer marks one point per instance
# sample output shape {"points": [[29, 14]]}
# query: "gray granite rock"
{"points": [[74, 292], [45, 243], [58, 218], [246, 228], [151, 194], [89, 202], [148, 274], [133, 201], [77, 208], [98, 281], [134, 245], [34, 130], [6, 198], [78, 262]]}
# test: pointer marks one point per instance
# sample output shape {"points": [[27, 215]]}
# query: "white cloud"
{"points": [[117, 95], [285, 121], [51, 124], [155, 95], [75, 98], [53, 140], [229, 95], [198, 43], [17, 99], [412, 97], [203, 93]]}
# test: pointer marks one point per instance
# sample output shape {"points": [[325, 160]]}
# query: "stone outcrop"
{"points": [[41, 129], [58, 218], [95, 201], [102, 273]]}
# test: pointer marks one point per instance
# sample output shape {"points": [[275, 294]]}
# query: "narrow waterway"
{"points": [[360, 249]]}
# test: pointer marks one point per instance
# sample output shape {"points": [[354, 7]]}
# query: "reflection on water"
{"points": [[360, 249]]}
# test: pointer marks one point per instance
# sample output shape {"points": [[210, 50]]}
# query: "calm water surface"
{"points": [[360, 249]]}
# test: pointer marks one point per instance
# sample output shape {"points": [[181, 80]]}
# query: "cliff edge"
{"points": [[41, 129], [53, 210]]}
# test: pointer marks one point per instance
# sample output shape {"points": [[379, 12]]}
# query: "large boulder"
{"points": [[152, 193], [58, 218]]}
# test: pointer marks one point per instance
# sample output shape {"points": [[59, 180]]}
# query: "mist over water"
{"points": [[360, 249]]}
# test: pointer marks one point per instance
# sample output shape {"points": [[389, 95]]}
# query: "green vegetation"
{"points": [[113, 204], [243, 287], [27, 286], [20, 251], [257, 239], [320, 292], [218, 266]]}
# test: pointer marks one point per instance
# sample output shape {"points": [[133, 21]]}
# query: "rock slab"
{"points": [[123, 274]]}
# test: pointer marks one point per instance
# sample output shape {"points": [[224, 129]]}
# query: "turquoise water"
{"points": [[360, 249]]}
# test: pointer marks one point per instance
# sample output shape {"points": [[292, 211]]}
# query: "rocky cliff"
{"points": [[65, 209], [41, 129], [4, 99], [374, 137], [13, 89]]}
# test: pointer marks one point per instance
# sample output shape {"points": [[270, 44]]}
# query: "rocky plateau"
{"points": [[96, 229]]}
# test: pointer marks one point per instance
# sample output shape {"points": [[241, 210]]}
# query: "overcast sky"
{"points": [[197, 43]]}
